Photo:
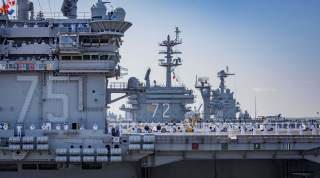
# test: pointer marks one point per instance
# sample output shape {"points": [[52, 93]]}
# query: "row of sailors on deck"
{"points": [[116, 129], [221, 128]]}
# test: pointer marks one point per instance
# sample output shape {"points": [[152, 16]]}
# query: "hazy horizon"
{"points": [[272, 46]]}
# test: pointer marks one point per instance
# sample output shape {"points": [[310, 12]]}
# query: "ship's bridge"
{"points": [[67, 42], [110, 27]]}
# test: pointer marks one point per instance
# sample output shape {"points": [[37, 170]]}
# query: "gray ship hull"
{"points": [[184, 169]]}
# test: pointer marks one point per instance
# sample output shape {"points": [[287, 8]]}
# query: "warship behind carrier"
{"points": [[54, 95]]}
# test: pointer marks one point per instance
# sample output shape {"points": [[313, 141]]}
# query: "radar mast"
{"points": [[170, 62], [222, 75]]}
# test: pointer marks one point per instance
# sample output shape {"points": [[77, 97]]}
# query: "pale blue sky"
{"points": [[272, 46]]}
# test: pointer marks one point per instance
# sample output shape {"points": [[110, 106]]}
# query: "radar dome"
{"points": [[133, 83], [119, 14]]}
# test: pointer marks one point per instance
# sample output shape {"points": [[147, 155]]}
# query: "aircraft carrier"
{"points": [[55, 92]]}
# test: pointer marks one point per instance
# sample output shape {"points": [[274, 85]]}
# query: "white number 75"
{"points": [[34, 82]]}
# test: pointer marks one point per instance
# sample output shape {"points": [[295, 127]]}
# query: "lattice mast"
{"points": [[170, 63]]}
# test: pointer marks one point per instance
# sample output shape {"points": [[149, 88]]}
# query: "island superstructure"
{"points": [[55, 71], [158, 103], [220, 104]]}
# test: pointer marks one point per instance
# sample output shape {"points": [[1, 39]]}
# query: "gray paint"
{"points": [[162, 103], [53, 98]]}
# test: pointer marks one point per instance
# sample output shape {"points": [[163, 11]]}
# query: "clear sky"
{"points": [[272, 46]]}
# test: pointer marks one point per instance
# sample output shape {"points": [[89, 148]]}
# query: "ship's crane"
{"points": [[147, 78]]}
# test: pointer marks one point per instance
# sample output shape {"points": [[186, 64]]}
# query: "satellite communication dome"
{"points": [[133, 83], [119, 14]]}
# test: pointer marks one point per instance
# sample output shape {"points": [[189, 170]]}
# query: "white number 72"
{"points": [[165, 112]]}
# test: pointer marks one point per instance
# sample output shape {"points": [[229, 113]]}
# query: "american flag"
{"points": [[7, 7]]}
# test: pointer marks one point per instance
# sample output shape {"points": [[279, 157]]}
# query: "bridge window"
{"points": [[8, 167], [91, 166], [86, 57], [76, 57], [94, 57], [104, 57], [29, 166], [66, 58], [48, 167]]}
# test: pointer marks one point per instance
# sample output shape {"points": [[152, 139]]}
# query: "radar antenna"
{"points": [[178, 32], [222, 75]]}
